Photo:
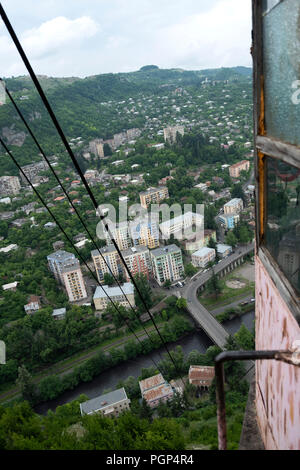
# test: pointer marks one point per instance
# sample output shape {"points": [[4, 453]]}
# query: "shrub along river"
{"points": [[109, 379]]}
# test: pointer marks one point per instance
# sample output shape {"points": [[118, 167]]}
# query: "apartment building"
{"points": [[153, 196], [109, 404], [73, 281], [170, 133], [103, 296], [120, 233], [145, 231], [195, 241], [9, 185], [234, 206], [133, 133], [182, 225], [138, 261], [235, 170], [109, 262], [202, 257], [58, 261], [223, 250], [229, 220], [32, 170], [167, 264], [155, 389], [120, 139]]}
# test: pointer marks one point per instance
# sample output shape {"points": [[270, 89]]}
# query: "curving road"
{"points": [[201, 315]]}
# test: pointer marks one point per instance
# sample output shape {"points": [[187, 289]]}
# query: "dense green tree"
{"points": [[145, 291], [231, 239], [25, 382]]}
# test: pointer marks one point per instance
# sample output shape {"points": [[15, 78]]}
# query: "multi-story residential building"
{"points": [[167, 264], [170, 133], [73, 281], [104, 294], [229, 220], [223, 250], [235, 170], [120, 139], [195, 241], [96, 146], [58, 261], [182, 225], [155, 389], [153, 196], [234, 206], [120, 232], [107, 262], [133, 133], [203, 256], [9, 185], [137, 259], [32, 170], [109, 404], [145, 231]]}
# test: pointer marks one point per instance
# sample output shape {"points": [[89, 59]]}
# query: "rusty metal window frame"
{"points": [[266, 146], [289, 357]]}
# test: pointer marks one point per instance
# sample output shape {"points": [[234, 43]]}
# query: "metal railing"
{"points": [[290, 357]]}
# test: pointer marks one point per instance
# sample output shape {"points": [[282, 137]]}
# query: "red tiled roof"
{"points": [[158, 392], [151, 382], [197, 373]]}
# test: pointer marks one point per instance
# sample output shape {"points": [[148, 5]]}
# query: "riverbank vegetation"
{"points": [[185, 422]]}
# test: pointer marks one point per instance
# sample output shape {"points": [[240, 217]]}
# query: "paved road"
{"points": [[201, 315], [236, 303]]}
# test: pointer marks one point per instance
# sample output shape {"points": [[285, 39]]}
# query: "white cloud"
{"points": [[191, 34], [59, 32], [219, 37]]}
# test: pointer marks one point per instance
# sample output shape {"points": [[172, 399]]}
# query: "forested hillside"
{"points": [[83, 106]]}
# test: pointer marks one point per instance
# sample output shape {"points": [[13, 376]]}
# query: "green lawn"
{"points": [[228, 294]]}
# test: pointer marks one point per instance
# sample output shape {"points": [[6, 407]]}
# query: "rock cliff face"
{"points": [[13, 137]]}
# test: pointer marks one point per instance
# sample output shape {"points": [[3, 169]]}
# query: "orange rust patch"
{"points": [[284, 330], [284, 425]]}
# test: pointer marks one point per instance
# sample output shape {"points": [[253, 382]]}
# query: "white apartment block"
{"points": [[181, 224], [167, 264], [74, 283], [137, 259], [170, 133], [202, 257], [58, 261], [105, 294], [234, 206], [9, 185], [109, 262], [109, 404]]}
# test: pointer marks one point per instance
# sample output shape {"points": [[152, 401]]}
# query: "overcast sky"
{"points": [[89, 37]]}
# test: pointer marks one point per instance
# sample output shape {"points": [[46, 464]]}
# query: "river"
{"points": [[108, 380]]}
